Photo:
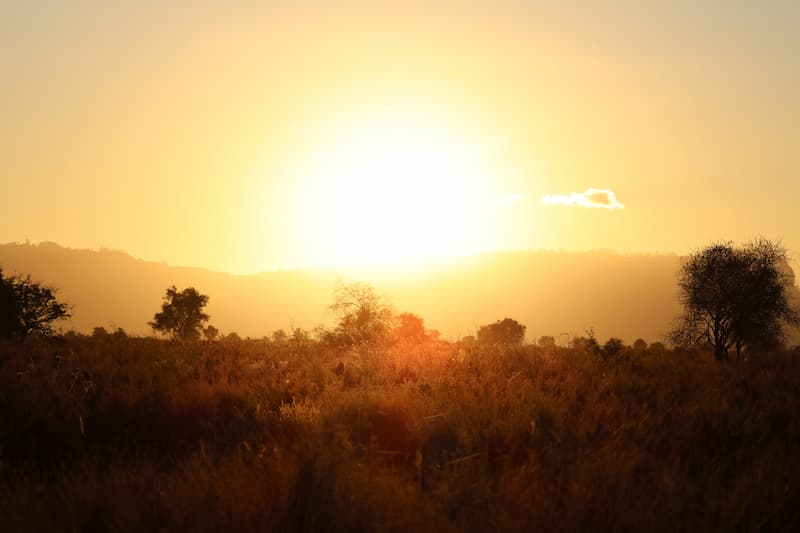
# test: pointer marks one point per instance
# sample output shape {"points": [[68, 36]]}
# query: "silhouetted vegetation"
{"points": [[639, 345], [364, 316], [546, 341], [506, 332], [409, 328], [377, 424], [210, 333], [8, 308], [736, 297], [141, 434], [621, 295], [181, 314], [27, 307]]}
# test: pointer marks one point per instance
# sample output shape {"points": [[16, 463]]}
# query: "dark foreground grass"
{"points": [[115, 434]]}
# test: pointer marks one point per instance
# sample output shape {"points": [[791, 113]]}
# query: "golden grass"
{"points": [[120, 434]]}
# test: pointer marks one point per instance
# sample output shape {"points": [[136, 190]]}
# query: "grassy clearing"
{"points": [[131, 434]]}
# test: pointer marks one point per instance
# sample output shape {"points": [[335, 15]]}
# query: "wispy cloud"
{"points": [[603, 198]]}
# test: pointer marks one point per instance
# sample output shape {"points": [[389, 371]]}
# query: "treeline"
{"points": [[734, 298]]}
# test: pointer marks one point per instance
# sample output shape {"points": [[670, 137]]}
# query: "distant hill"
{"points": [[552, 293]]}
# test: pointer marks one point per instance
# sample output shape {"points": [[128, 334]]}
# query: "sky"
{"points": [[249, 136]]}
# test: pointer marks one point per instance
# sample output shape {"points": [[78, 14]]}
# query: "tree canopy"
{"points": [[27, 307], [506, 332], [735, 297], [9, 319], [546, 341], [410, 328], [364, 315], [181, 314]]}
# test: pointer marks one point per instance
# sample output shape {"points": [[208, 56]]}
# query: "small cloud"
{"points": [[603, 198]]}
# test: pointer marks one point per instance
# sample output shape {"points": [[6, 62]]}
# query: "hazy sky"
{"points": [[246, 136]]}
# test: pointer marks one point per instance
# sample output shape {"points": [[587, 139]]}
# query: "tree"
{"points": [[232, 337], [410, 328], [735, 297], [657, 348], [546, 341], [365, 317], [181, 314], [9, 315], [211, 333], [587, 344], [506, 332], [27, 307], [613, 347], [280, 336]]}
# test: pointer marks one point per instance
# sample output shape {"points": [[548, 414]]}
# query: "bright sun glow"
{"points": [[395, 184]]}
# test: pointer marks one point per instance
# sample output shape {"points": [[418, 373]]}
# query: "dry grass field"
{"points": [[138, 434]]}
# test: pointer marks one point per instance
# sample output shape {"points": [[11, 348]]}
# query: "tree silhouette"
{"points": [[181, 314], [211, 333], [735, 297], [27, 307], [364, 315], [279, 336], [410, 328], [639, 345], [613, 347], [9, 321], [506, 332], [546, 341]]}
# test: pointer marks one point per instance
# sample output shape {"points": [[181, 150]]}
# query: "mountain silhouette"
{"points": [[551, 292]]}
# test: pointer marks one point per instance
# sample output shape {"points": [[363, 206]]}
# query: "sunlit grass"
{"points": [[139, 434]]}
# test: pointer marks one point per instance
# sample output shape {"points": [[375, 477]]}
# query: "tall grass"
{"points": [[116, 434]]}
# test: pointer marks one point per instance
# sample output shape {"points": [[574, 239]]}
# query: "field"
{"points": [[138, 434]]}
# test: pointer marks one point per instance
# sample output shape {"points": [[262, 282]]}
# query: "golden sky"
{"points": [[248, 136]]}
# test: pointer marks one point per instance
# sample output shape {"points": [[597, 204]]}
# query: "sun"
{"points": [[392, 184]]}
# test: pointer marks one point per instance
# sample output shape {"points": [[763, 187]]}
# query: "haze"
{"points": [[627, 296], [252, 136]]}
